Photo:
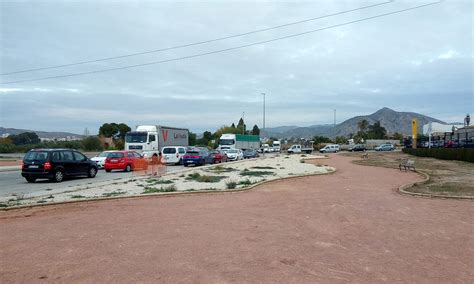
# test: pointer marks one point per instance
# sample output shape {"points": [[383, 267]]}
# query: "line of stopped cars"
{"points": [[59, 164]]}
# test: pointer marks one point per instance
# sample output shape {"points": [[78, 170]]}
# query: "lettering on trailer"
{"points": [[164, 134], [179, 136]]}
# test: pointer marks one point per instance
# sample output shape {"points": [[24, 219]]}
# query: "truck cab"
{"points": [[277, 146], [143, 140]]}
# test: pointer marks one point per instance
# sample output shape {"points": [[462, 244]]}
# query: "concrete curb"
{"points": [[10, 169], [403, 190], [169, 194]]}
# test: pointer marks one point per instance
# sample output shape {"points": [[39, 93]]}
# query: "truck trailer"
{"points": [[149, 140], [239, 141]]}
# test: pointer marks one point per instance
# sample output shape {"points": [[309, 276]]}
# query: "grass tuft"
{"points": [[78, 196], [231, 185], [170, 188], [113, 193], [204, 178]]}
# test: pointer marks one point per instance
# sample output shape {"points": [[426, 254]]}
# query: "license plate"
{"points": [[114, 161], [33, 167]]}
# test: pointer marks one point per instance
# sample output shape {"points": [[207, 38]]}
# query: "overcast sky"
{"points": [[420, 61]]}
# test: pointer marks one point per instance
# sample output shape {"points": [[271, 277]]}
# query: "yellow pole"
{"points": [[414, 132]]}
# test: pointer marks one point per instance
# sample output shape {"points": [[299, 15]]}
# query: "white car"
{"points": [[332, 148], [234, 154], [100, 159], [173, 154]]}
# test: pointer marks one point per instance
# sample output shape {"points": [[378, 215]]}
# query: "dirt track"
{"points": [[347, 226]]}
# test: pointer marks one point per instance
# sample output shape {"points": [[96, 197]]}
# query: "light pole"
{"points": [[263, 94]]}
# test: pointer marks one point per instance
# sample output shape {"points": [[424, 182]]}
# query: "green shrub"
{"points": [[171, 188], [199, 178], [459, 154], [231, 185]]}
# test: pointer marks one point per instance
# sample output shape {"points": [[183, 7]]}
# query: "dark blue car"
{"points": [[197, 157]]}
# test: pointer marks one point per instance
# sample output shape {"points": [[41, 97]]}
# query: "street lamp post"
{"points": [[263, 94]]}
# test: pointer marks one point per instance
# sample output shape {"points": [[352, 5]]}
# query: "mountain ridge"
{"points": [[393, 121]]}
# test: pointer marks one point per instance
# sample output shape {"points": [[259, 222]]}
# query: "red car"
{"points": [[218, 156], [124, 160]]}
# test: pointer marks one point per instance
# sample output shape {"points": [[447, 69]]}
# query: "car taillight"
{"points": [[177, 155], [22, 164], [47, 166]]}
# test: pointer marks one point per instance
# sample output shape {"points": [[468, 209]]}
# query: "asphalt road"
{"points": [[11, 182]]}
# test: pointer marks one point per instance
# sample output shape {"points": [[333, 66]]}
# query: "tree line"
{"points": [[26, 141]]}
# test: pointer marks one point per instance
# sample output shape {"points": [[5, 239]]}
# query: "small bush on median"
{"points": [[199, 178], [245, 183], [113, 193], [170, 188], [231, 185]]}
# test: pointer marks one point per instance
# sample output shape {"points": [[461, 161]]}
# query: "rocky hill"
{"points": [[392, 120], [41, 134]]}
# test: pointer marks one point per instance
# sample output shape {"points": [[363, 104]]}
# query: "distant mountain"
{"points": [[41, 134], [393, 121], [281, 129]]}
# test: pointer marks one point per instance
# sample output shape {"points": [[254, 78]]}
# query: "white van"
{"points": [[331, 148], [173, 154]]}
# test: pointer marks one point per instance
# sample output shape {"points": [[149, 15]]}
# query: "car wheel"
{"points": [[108, 170], [92, 172], [128, 168], [185, 165], [30, 179], [58, 176]]}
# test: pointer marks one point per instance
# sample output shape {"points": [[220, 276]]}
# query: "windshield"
{"points": [[136, 137], [226, 142], [103, 155], [36, 156]]}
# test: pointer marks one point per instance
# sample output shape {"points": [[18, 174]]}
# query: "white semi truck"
{"points": [[150, 139], [239, 141], [276, 146]]}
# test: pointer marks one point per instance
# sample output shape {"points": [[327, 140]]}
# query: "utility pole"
{"points": [[334, 117], [263, 94]]}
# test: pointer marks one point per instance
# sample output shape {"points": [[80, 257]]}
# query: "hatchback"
{"points": [[100, 159], [218, 156], [250, 153], [385, 147], [124, 160], [56, 164], [197, 157], [357, 148], [235, 154]]}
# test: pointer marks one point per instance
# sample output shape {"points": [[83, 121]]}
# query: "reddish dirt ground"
{"points": [[347, 226]]}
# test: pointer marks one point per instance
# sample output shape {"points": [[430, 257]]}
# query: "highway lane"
{"points": [[12, 183]]}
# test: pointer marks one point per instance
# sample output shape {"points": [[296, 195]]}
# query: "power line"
{"points": [[223, 50], [195, 43]]}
